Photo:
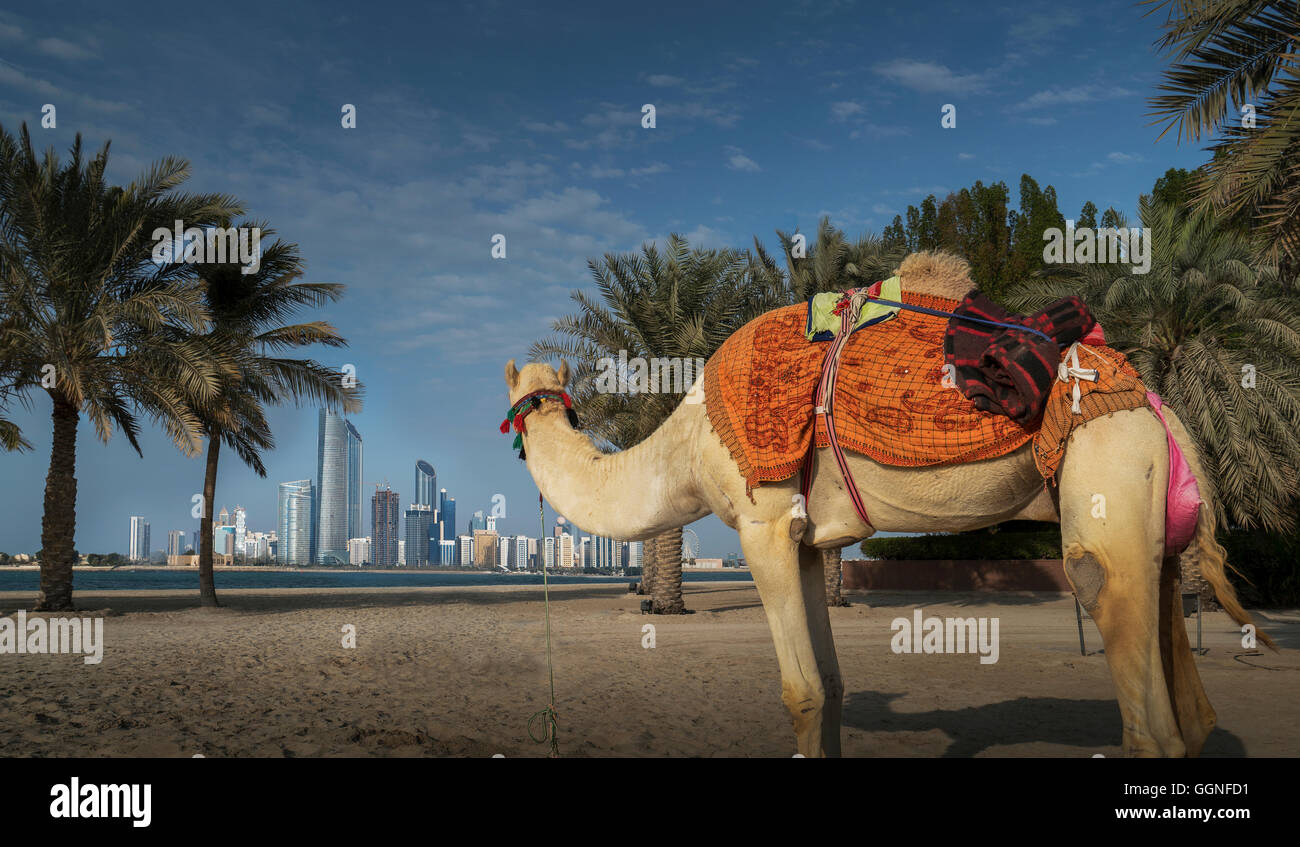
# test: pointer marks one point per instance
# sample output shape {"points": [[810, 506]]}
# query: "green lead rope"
{"points": [[542, 726]]}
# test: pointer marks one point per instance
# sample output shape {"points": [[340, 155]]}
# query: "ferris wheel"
{"points": [[690, 545]]}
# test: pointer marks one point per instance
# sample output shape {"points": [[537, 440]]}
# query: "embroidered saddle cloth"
{"points": [[892, 403]]}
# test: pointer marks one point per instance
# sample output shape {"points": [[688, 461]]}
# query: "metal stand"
{"points": [[1191, 603]]}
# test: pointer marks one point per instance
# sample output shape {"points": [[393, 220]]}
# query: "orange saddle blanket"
{"points": [[891, 403]]}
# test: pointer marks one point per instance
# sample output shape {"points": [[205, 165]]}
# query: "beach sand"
{"points": [[457, 671]]}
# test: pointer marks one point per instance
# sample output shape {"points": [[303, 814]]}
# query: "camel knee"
{"points": [[805, 705], [1086, 574]]}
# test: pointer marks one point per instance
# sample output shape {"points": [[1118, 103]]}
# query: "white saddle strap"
{"points": [[1068, 369]]}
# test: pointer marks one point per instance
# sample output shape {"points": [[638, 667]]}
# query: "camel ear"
{"points": [[563, 373], [512, 374]]}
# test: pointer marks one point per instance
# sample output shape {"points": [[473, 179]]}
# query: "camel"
{"points": [[1115, 563]]}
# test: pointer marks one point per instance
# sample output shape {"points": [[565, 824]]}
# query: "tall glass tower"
{"points": [[384, 515], [356, 509], [426, 484], [294, 547], [447, 516], [337, 514]]}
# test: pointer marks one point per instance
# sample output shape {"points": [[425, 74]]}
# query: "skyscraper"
{"points": [[447, 517], [241, 528], [477, 522], [359, 551], [418, 518], [175, 543], [139, 539], [294, 538], [337, 515], [385, 516], [426, 484]]}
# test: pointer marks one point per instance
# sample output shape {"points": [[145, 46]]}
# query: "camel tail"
{"points": [[1212, 558]]}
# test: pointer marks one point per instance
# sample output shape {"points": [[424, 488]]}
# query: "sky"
{"points": [[484, 117]]}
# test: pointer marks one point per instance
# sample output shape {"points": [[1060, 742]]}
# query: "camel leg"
{"points": [[774, 562], [1112, 532], [812, 580], [1196, 718]]}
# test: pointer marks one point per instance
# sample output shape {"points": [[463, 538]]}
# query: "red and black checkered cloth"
{"points": [[1010, 371]]}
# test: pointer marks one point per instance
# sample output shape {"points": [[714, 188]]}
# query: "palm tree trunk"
{"points": [[208, 588], [59, 524], [834, 573], [667, 588], [649, 564]]}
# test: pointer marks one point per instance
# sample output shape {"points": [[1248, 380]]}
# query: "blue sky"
{"points": [[483, 118]]}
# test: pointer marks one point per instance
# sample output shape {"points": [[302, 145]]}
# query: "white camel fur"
{"points": [[683, 472]]}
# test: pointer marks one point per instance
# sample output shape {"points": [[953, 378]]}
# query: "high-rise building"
{"points": [[485, 549], [359, 551], [503, 552], [447, 517], [549, 555], [634, 553], [384, 518], [418, 518], [294, 538], [519, 556], [139, 550], [605, 552], [241, 529], [401, 552], [565, 550], [477, 522], [337, 515], [465, 551], [257, 547], [176, 543], [426, 485], [447, 553]]}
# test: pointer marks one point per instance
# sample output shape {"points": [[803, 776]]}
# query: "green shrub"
{"points": [[1013, 540]]}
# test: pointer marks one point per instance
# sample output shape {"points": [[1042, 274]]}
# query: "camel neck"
{"points": [[629, 495]]}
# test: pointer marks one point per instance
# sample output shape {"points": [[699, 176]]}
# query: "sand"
{"points": [[455, 671]]}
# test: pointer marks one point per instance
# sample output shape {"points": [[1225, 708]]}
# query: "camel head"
{"points": [[535, 376]]}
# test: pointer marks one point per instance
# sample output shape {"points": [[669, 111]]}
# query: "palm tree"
{"points": [[1227, 56], [247, 334], [832, 572], [1218, 337], [677, 303], [82, 295]]}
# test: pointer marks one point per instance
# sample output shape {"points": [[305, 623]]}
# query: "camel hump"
{"points": [[935, 273]]}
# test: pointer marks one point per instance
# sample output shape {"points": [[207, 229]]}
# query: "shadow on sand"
{"points": [[1091, 725]]}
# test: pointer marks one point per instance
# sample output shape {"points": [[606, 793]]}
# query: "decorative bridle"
{"points": [[529, 403]]}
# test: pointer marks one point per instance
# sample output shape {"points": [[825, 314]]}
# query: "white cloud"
{"points": [[10, 75], [1073, 95], [60, 49], [1124, 158], [965, 156], [542, 126], [931, 77], [846, 109], [738, 161], [664, 80]]}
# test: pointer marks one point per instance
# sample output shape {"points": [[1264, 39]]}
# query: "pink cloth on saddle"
{"points": [[1183, 499]]}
